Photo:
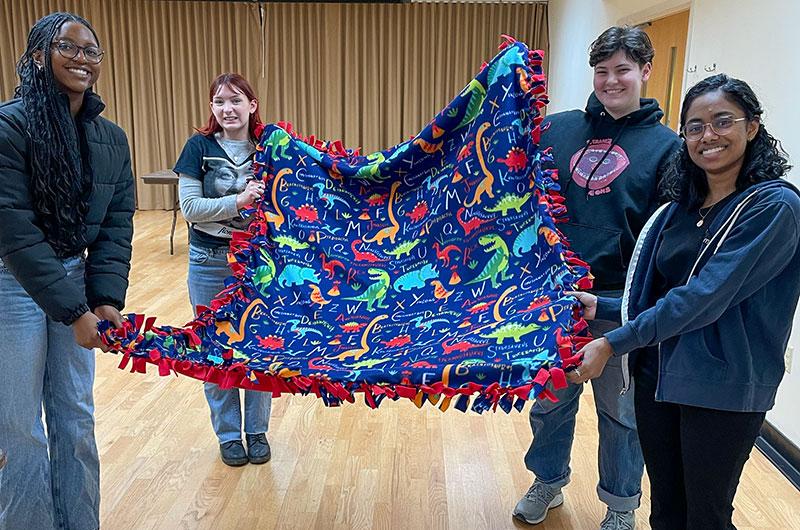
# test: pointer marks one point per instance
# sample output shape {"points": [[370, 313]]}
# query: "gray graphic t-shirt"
{"points": [[223, 167]]}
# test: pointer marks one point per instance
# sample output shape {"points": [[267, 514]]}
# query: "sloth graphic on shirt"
{"points": [[221, 178]]}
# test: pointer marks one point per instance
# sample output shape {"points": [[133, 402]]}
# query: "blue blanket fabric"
{"points": [[432, 270]]}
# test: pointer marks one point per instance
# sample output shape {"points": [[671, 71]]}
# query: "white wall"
{"points": [[757, 41], [573, 25]]}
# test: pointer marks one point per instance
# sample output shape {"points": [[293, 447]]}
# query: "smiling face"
{"points": [[618, 83], [74, 76], [720, 156], [232, 110]]}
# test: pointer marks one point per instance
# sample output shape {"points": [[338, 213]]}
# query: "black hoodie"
{"points": [[622, 161]]}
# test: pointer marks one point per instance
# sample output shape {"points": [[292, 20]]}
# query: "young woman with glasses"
{"points": [[708, 307], [66, 209], [216, 185]]}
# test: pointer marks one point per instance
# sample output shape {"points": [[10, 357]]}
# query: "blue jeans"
{"points": [[208, 268], [52, 478], [619, 455]]}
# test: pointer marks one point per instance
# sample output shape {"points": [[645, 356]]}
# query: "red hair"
{"points": [[236, 83]]}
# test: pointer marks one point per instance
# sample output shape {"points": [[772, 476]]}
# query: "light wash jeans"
{"points": [[619, 454], [208, 268], [52, 477]]}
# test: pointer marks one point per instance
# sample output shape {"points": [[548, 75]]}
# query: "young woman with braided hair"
{"points": [[66, 209]]}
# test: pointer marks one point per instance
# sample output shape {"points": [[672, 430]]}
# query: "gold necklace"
{"points": [[703, 216]]}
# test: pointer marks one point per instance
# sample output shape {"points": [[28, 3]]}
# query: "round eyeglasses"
{"points": [[70, 50], [719, 126]]}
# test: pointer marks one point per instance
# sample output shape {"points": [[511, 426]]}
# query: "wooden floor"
{"points": [[349, 467]]}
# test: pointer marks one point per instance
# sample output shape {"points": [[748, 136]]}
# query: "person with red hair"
{"points": [[216, 185]]}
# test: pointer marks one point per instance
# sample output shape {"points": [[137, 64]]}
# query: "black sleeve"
{"points": [[191, 160], [23, 246], [109, 255], [663, 183]]}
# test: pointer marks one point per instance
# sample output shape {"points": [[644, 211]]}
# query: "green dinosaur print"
{"points": [[404, 248], [371, 171], [289, 241], [279, 140], [497, 267], [510, 201], [477, 93], [376, 292], [264, 274], [511, 331]]}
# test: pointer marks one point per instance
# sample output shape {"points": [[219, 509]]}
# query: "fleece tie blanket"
{"points": [[433, 270]]}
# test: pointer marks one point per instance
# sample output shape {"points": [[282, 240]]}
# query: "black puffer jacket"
{"points": [[24, 249]]}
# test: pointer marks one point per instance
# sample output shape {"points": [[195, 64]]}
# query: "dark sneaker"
{"points": [[258, 448], [618, 521], [233, 453], [532, 508]]}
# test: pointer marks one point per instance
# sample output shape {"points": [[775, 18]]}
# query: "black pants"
{"points": [[694, 458]]}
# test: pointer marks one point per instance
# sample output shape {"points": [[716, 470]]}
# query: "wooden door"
{"points": [[669, 35]]}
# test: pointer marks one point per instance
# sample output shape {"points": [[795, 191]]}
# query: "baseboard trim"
{"points": [[781, 452]]}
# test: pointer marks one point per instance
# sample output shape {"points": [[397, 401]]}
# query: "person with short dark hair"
{"points": [[66, 224], [610, 159], [707, 311]]}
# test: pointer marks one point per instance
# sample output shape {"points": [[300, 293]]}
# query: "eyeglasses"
{"points": [[69, 50], [719, 126]]}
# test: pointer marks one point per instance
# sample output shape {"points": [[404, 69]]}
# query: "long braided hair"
{"points": [[59, 186]]}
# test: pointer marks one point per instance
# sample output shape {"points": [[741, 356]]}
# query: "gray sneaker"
{"points": [[532, 508], [618, 521]]}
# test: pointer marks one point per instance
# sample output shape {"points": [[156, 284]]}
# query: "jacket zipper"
{"points": [[724, 230]]}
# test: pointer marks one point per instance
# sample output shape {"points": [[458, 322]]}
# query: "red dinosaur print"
{"points": [[536, 303], [353, 327], [422, 364], [314, 366], [329, 266], [460, 346], [419, 212], [472, 224], [306, 213], [516, 160], [465, 151], [480, 307], [377, 199], [444, 253], [396, 342], [271, 342], [364, 256]]}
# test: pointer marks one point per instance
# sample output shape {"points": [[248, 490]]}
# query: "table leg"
{"points": [[174, 219]]}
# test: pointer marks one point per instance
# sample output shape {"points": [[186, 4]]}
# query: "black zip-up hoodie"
{"points": [[613, 188], [24, 248]]}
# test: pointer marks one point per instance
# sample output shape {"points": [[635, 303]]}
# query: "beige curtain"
{"points": [[369, 74]]}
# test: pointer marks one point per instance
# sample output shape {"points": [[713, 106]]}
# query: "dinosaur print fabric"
{"points": [[433, 270]]}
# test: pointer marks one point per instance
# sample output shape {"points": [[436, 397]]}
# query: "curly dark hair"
{"points": [[59, 186], [764, 158], [631, 39]]}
